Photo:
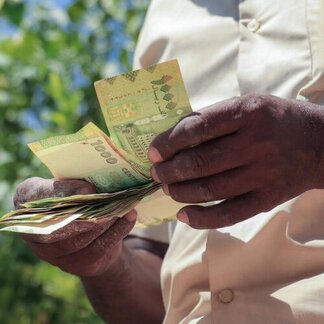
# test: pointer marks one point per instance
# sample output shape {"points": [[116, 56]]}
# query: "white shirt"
{"points": [[268, 269]]}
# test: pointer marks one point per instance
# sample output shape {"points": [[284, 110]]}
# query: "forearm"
{"points": [[130, 291], [315, 123], [321, 145]]}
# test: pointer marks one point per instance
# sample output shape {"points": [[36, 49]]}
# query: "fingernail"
{"points": [[165, 189], [87, 189], [183, 217], [154, 174], [154, 155], [131, 216]]}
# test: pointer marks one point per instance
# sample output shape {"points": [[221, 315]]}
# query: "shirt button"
{"points": [[253, 25], [225, 296]]}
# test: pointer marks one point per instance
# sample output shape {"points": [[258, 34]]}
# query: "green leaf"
{"points": [[14, 11], [76, 11], [55, 87]]}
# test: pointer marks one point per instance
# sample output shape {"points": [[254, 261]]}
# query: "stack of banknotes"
{"points": [[137, 106]]}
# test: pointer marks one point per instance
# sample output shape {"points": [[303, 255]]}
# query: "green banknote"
{"points": [[141, 104]]}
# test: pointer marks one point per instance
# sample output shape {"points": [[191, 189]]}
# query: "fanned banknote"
{"points": [[89, 154], [137, 106]]}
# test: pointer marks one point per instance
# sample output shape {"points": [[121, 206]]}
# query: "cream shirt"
{"points": [[268, 269]]}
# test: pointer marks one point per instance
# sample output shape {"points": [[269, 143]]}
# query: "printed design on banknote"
{"points": [[137, 106]]}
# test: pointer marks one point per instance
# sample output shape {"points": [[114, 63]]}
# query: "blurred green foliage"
{"points": [[51, 52]]}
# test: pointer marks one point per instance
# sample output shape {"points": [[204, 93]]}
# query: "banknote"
{"points": [[88, 154], [141, 104], [137, 106], [43, 228], [49, 214]]}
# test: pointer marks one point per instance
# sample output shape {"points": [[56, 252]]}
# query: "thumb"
{"points": [[62, 188]]}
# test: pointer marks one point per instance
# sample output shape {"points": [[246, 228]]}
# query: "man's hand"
{"points": [[116, 276], [82, 248], [253, 152]]}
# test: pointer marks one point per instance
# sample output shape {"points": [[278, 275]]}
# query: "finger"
{"points": [[208, 123], [33, 189], [39, 188], [204, 160], [221, 186], [88, 260], [76, 228], [70, 187], [71, 244], [226, 213], [69, 231]]}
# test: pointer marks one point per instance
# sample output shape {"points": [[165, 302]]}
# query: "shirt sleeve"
{"points": [[160, 233]]}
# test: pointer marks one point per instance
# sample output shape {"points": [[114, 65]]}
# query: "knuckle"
{"points": [[206, 191], [194, 126], [215, 152], [72, 187], [263, 107], [196, 162], [166, 171], [254, 106], [33, 189], [179, 168], [237, 108], [84, 186], [225, 219], [179, 193], [254, 101], [25, 191], [159, 141], [119, 231], [198, 217], [197, 222], [201, 223], [18, 198]]}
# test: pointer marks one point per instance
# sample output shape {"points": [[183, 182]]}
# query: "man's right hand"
{"points": [[82, 248]]}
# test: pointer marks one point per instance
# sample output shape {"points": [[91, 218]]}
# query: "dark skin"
{"points": [[254, 152], [116, 273]]}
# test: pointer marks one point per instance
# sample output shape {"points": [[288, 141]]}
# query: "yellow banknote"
{"points": [[89, 155], [141, 104]]}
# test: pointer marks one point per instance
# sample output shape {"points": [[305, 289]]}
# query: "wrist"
{"points": [[316, 126]]}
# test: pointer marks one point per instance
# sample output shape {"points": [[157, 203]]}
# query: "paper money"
{"points": [[88, 154], [47, 215], [137, 106], [141, 104], [44, 228]]}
